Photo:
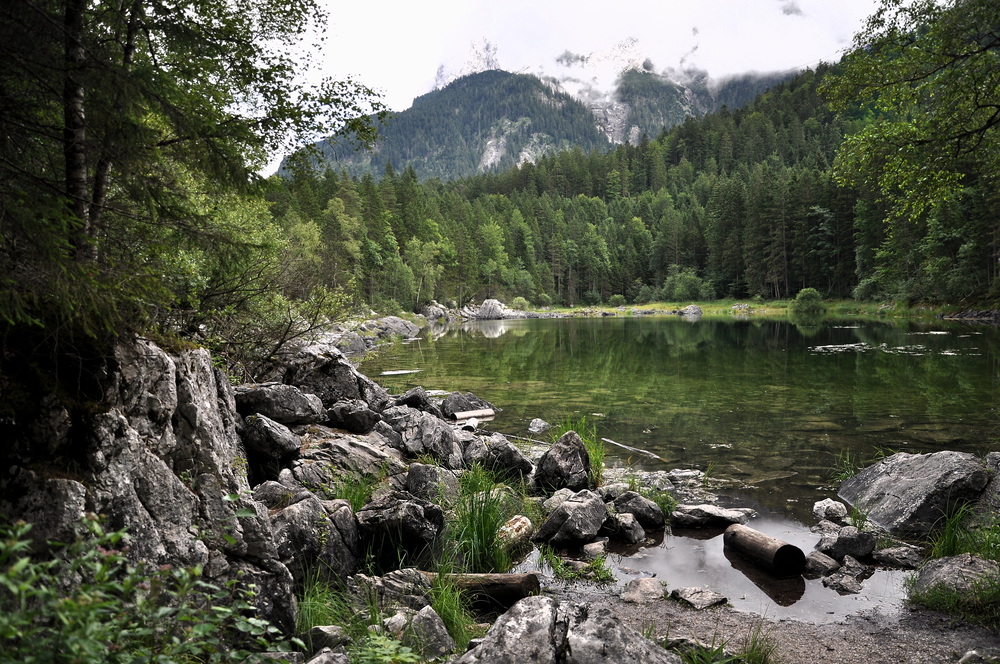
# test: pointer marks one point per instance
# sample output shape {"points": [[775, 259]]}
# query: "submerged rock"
{"points": [[699, 598]]}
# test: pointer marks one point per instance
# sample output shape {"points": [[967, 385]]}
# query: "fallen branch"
{"points": [[634, 449]]}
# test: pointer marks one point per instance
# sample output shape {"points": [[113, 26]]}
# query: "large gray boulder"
{"points": [[352, 415], [564, 465], [281, 403], [329, 375], [417, 398], [311, 535], [910, 494], [848, 541], [491, 310], [575, 522], [499, 455], [432, 483], [393, 326], [428, 635], [402, 518], [272, 441], [542, 630], [329, 457], [422, 433]]}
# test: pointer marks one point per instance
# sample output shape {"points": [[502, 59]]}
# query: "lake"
{"points": [[764, 403]]}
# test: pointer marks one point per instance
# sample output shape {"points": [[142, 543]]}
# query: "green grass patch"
{"points": [[355, 488], [981, 606], [596, 570], [483, 506]]}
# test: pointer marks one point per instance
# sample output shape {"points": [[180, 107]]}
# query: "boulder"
{"points": [[564, 465], [499, 455], [909, 494], [422, 433], [645, 510], [550, 504], [904, 557], [624, 527], [456, 402], [643, 590], [270, 440], [432, 483], [575, 522], [691, 311], [401, 518], [598, 547], [708, 516], [329, 457], [417, 398], [281, 403], [515, 534], [394, 326], [403, 587], [427, 635], [830, 510], [352, 415], [845, 580], [848, 541], [820, 564], [542, 630], [960, 574], [332, 378], [310, 535], [491, 310]]}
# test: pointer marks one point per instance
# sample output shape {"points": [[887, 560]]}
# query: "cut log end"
{"points": [[777, 557]]}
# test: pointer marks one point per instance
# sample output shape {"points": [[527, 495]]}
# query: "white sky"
{"points": [[396, 46]]}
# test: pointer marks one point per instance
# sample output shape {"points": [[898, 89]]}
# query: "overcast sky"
{"points": [[397, 46]]}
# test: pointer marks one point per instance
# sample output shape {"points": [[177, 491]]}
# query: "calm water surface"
{"points": [[765, 403]]}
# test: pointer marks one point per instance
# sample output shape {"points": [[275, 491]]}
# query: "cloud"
{"points": [[792, 8]]}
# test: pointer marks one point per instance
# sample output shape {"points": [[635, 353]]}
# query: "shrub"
{"points": [[616, 300], [519, 303], [591, 298], [543, 300], [808, 302], [90, 605]]}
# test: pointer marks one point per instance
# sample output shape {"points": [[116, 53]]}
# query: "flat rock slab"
{"points": [[699, 598], [643, 591], [708, 516], [908, 494]]}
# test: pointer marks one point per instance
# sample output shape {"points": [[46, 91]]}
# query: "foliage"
{"points": [[484, 505], [381, 649], [965, 532], [981, 606], [519, 304], [355, 488], [89, 604], [808, 302]]}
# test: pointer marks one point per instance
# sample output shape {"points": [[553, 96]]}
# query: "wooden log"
{"points": [[469, 414], [503, 590], [779, 558]]}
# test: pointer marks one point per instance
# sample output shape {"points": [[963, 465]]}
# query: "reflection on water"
{"points": [[767, 404]]}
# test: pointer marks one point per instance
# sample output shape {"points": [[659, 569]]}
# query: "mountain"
{"points": [[483, 119]]}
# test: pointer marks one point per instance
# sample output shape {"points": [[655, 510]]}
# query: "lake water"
{"points": [[764, 403]]}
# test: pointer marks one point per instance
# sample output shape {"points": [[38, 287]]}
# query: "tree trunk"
{"points": [[74, 128]]}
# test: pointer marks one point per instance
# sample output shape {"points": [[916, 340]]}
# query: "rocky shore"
{"points": [[241, 481]]}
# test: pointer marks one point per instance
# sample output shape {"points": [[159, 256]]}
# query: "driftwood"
{"points": [[777, 557], [479, 414], [633, 449], [493, 590]]}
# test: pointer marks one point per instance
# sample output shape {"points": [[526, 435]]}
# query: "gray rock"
{"points": [[981, 656], [281, 403], [499, 455], [327, 636], [960, 574], [904, 557], [54, 507], [417, 398], [457, 402], [538, 425], [329, 457], [907, 494], [848, 541], [325, 657], [691, 310], [844, 584], [432, 483], [576, 521], [428, 635], [830, 509], [645, 510], [271, 440], [332, 378], [422, 433], [826, 527], [403, 587], [643, 590], [611, 492], [821, 564], [598, 547], [491, 310], [708, 516], [624, 527], [550, 504], [699, 598], [308, 537], [564, 465], [543, 631], [403, 518], [352, 415]]}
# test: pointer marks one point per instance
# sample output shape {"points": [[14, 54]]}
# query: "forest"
{"points": [[129, 200]]}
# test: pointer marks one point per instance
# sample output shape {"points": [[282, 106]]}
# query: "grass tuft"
{"points": [[594, 445]]}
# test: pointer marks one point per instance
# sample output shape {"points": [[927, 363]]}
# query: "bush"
{"points": [[591, 298], [616, 300], [808, 302], [519, 304], [543, 300], [89, 605]]}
